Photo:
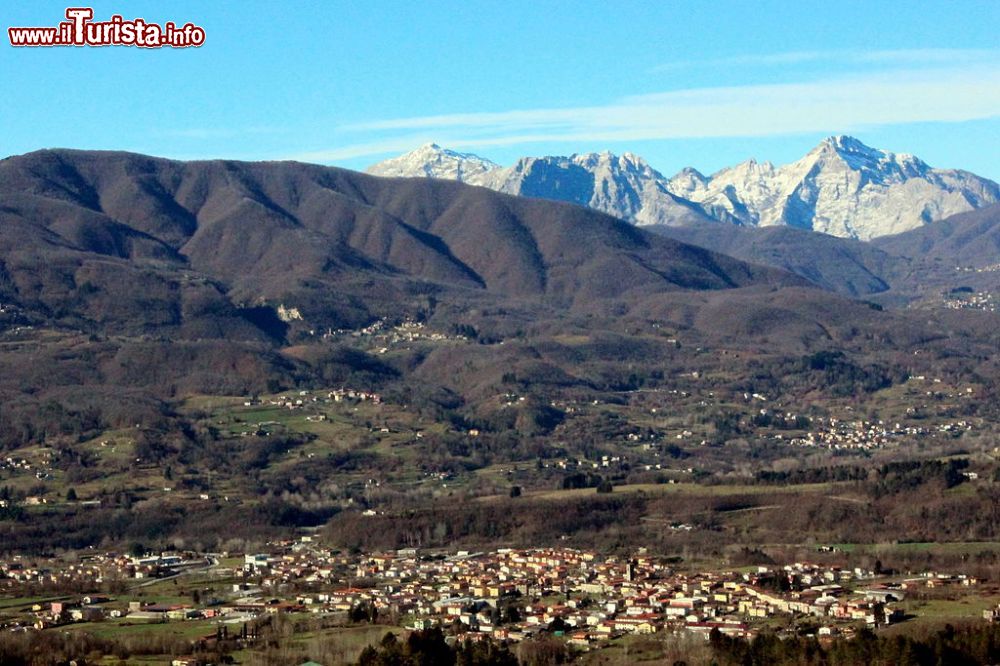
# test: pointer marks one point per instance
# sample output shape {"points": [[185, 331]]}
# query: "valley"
{"points": [[224, 360], [500, 334]]}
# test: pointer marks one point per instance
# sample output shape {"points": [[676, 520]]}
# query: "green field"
{"points": [[189, 629], [690, 489], [934, 548], [25, 603]]}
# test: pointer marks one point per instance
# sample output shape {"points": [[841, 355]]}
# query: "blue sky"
{"points": [[703, 84]]}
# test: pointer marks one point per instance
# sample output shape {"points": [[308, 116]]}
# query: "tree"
{"points": [[71, 495], [484, 653], [878, 610], [543, 651], [557, 624], [605, 486], [363, 612]]}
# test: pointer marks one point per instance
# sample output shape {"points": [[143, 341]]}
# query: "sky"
{"points": [[702, 84]]}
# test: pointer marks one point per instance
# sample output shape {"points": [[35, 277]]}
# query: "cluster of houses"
{"points": [[374, 328], [16, 466], [980, 300], [991, 268], [13, 463], [41, 468], [505, 594], [569, 464], [94, 570], [411, 331], [838, 435], [98, 608], [513, 594], [382, 333], [305, 398], [932, 579], [342, 394]]}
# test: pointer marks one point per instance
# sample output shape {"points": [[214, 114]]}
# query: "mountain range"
{"points": [[842, 188], [140, 296], [959, 251], [129, 283], [127, 279], [262, 232]]}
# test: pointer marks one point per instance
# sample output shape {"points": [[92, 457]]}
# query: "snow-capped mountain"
{"points": [[433, 161], [842, 187], [624, 186], [621, 185]]}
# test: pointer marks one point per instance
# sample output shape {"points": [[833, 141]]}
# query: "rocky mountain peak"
{"points": [[841, 187], [432, 161]]}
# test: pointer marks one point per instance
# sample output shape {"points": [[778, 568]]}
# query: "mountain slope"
{"points": [[969, 239], [961, 252], [159, 235], [849, 267], [130, 283]]}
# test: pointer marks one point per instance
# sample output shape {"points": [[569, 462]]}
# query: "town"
{"points": [[508, 595]]}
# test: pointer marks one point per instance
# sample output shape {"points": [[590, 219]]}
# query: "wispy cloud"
{"points": [[884, 57], [834, 105], [351, 151]]}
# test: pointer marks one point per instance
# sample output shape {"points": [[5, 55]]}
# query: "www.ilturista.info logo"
{"points": [[81, 30]]}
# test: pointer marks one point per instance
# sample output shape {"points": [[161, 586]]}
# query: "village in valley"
{"points": [[506, 595], [591, 599], [364, 457]]}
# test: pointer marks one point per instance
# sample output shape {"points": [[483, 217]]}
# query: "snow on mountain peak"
{"points": [[845, 143], [841, 187], [432, 161], [606, 160]]}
